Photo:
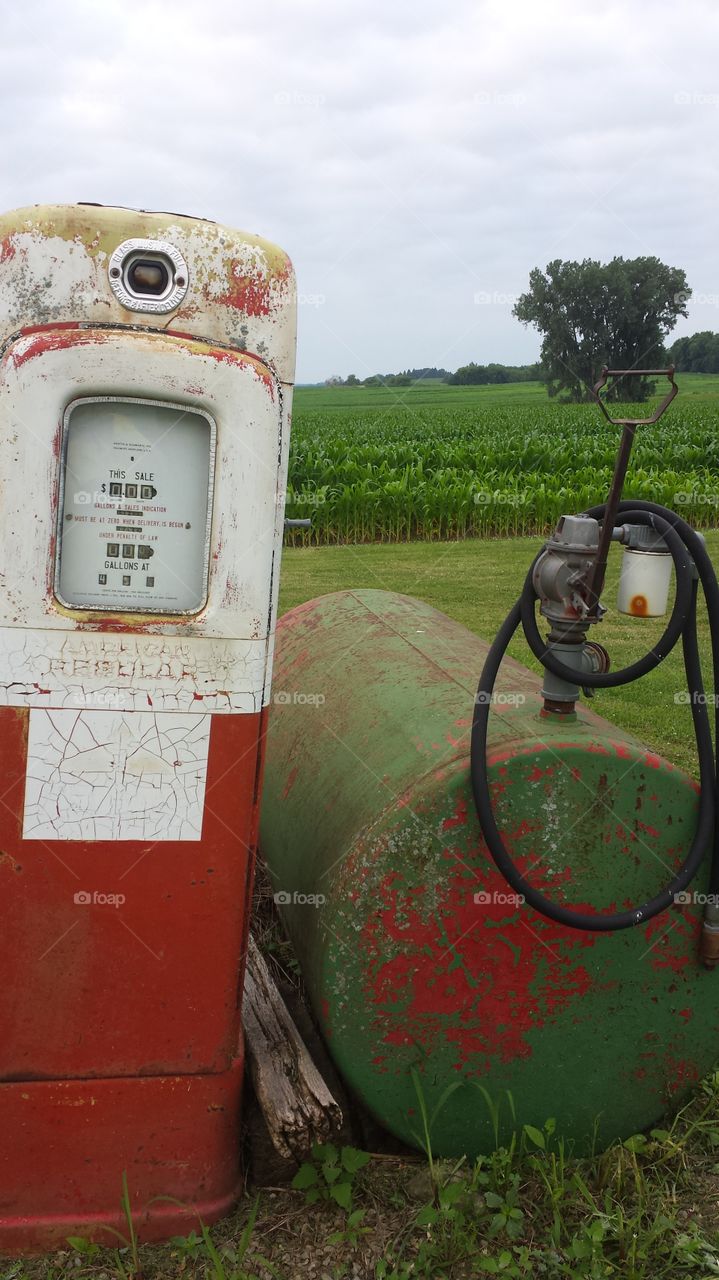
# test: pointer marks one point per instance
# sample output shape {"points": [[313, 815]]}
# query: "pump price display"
{"points": [[135, 506]]}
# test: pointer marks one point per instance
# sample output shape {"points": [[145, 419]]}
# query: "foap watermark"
{"points": [[297, 698], [686, 699], [284, 898], [96, 898], [706, 299], [294, 299], [694, 98], [688, 898], [498, 699], [300, 98], [697, 499], [494, 299], [99, 498], [500, 498], [105, 698], [301, 498], [502, 897], [500, 98]]}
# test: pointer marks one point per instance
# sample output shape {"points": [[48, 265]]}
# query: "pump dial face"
{"points": [[135, 506]]}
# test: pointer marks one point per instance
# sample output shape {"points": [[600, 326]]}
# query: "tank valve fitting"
{"points": [[562, 579]]}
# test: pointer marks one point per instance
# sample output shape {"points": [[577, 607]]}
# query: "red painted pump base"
{"points": [[64, 1146]]}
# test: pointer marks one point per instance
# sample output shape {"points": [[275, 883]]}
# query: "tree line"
{"points": [[698, 354], [590, 314], [467, 375]]}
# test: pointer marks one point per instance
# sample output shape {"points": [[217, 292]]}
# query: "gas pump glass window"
{"points": [[135, 506]]}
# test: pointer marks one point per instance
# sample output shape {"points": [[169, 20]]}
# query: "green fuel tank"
{"points": [[414, 950]]}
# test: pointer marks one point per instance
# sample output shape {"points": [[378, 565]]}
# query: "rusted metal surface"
{"points": [[241, 293], [414, 951], [131, 743]]}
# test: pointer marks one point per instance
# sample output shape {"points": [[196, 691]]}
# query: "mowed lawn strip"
{"points": [[476, 582]]}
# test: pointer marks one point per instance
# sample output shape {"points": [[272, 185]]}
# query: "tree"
{"points": [[484, 374], [697, 354], [591, 314]]}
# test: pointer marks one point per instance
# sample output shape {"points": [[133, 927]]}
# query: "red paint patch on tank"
{"points": [[430, 990], [7, 249], [655, 762], [680, 1074], [623, 750], [651, 831], [524, 828], [686, 1014], [308, 611], [662, 939], [459, 817], [291, 780], [537, 773]]}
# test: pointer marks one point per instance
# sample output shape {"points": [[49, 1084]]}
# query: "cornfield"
{"points": [[449, 472]]}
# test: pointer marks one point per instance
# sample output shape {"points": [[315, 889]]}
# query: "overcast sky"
{"points": [[415, 159]]}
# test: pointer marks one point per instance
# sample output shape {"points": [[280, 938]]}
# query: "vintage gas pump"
{"points": [[146, 371]]}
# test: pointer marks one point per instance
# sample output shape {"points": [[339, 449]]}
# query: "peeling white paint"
{"points": [[104, 775], [85, 670], [71, 246]]}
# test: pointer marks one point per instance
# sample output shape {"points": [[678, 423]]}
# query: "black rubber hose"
{"points": [[687, 550]]}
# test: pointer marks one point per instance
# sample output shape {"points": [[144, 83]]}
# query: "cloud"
{"points": [[408, 156]]}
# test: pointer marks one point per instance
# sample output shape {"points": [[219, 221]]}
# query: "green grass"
{"points": [[433, 392], [644, 1210], [477, 583], [418, 394]]}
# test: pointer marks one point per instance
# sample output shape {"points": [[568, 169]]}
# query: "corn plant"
{"points": [[456, 471]]}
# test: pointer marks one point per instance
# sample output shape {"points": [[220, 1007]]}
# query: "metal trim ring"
{"points": [[120, 262], [212, 457]]}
